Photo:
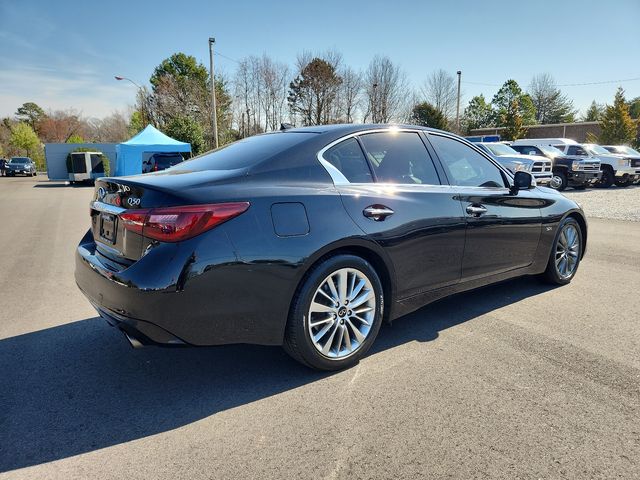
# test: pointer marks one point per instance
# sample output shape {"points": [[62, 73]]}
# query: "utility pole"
{"points": [[214, 118], [459, 72]]}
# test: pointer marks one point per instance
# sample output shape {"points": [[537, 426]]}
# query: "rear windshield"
{"points": [[246, 152]]}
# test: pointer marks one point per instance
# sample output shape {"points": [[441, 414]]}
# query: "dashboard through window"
{"points": [[399, 157], [464, 166]]}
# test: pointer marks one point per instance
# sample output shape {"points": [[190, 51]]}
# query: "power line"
{"points": [[228, 58], [563, 84]]}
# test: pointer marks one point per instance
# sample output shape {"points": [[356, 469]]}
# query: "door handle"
{"points": [[476, 210], [377, 212]]}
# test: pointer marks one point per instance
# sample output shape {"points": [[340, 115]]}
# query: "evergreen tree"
{"points": [[31, 114], [512, 120], [593, 113], [478, 114], [502, 102], [618, 128], [313, 92], [427, 115], [188, 130]]}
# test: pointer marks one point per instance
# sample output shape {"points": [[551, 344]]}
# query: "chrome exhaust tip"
{"points": [[135, 343]]}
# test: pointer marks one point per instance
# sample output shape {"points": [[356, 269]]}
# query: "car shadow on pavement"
{"points": [[79, 387]]}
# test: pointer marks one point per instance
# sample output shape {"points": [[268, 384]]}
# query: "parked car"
{"points": [[21, 166], [568, 170], [625, 152], [614, 169], [161, 161], [539, 166], [310, 238]]}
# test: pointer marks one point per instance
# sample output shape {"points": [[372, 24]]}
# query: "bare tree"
{"points": [[552, 106], [385, 90], [261, 94], [111, 129], [349, 94], [440, 91]]}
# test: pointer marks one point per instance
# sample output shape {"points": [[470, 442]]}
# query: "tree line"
{"points": [[262, 93]]}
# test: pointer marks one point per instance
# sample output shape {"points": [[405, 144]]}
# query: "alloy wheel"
{"points": [[556, 182], [567, 251], [342, 312]]}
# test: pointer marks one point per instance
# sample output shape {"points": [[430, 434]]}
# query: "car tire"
{"points": [[330, 336], [607, 178], [566, 252]]}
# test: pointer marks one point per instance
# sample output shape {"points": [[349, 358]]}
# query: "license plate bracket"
{"points": [[108, 227]]}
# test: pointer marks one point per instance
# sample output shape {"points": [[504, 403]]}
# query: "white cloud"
{"points": [[80, 88]]}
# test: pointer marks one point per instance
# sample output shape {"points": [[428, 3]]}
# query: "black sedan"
{"points": [[310, 238]]}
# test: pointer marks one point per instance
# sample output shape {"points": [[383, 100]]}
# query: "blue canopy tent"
{"points": [[129, 154]]}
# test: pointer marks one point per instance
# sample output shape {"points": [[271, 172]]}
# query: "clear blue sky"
{"points": [[64, 54]]}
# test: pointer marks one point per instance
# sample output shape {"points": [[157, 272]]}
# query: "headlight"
{"points": [[575, 166]]}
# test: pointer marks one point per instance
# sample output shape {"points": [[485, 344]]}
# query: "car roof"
{"points": [[347, 128]]}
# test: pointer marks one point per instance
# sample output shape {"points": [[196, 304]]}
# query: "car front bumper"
{"points": [[580, 177]]}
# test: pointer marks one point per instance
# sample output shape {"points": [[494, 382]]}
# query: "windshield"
{"points": [[246, 152], [19, 160], [625, 150], [501, 149], [596, 149], [549, 150]]}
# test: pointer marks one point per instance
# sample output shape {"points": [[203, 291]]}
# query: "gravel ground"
{"points": [[614, 203]]}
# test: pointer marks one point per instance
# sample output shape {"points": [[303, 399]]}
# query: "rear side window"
{"points": [[399, 157], [347, 157], [465, 166]]}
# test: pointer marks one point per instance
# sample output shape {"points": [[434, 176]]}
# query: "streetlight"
{"points": [[118, 77]]}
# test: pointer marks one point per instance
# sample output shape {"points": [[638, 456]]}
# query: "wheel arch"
{"points": [[582, 222], [369, 251]]}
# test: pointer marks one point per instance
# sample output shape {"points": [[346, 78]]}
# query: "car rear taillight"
{"points": [[173, 224]]}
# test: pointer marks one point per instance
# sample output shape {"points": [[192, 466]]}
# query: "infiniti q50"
{"points": [[311, 238]]}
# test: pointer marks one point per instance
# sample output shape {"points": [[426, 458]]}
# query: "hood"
{"points": [[528, 158]]}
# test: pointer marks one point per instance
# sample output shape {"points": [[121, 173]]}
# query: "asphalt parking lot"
{"points": [[517, 380]]}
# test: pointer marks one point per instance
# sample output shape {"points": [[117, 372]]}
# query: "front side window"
{"points": [[348, 158], [465, 166], [399, 157]]}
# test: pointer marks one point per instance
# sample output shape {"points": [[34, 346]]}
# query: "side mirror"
{"points": [[522, 181]]}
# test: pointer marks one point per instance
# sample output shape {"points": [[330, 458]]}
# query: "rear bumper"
{"points": [[194, 292], [138, 332]]}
